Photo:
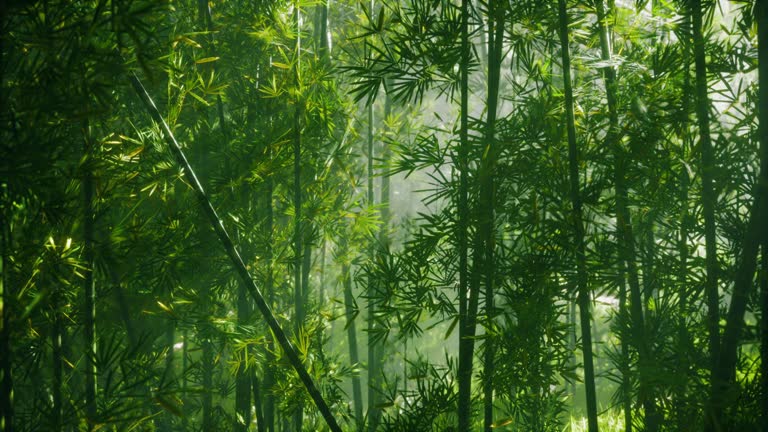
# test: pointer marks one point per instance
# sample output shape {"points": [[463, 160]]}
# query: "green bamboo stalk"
{"points": [[584, 300], [6, 387], [373, 358], [298, 415], [708, 196], [681, 409], [755, 234], [89, 323], [354, 357], [764, 332], [6, 376], [466, 342], [487, 186], [269, 373]]}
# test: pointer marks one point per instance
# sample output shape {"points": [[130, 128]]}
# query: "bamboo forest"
{"points": [[384, 215]]}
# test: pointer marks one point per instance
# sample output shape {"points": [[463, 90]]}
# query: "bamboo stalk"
{"points": [[583, 298]]}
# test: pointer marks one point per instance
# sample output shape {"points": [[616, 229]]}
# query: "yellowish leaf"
{"points": [[502, 422], [207, 60]]}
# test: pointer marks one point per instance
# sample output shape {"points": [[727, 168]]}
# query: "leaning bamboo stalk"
{"points": [[234, 256]]}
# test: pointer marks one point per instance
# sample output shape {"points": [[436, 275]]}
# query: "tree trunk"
{"points": [[243, 383], [6, 354], [321, 294], [684, 341], [257, 402], [466, 319], [306, 267], [584, 299], [386, 161], [206, 24], [56, 337], [708, 197], [373, 358], [755, 234], [207, 374], [306, 256], [626, 400], [384, 240], [482, 33], [269, 374], [764, 334], [487, 196], [298, 239], [373, 352], [349, 301], [298, 294], [165, 420], [89, 307], [170, 341], [321, 30], [184, 360], [572, 362], [648, 262]]}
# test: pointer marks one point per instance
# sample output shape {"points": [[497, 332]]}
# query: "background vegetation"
{"points": [[463, 214]]}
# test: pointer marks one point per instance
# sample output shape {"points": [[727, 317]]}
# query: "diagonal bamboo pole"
{"points": [[234, 256]]}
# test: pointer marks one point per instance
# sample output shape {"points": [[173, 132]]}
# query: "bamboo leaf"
{"points": [[502, 422], [205, 102], [172, 406], [206, 60], [166, 308], [451, 327]]}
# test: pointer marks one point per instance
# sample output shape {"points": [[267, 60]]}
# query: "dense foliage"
{"points": [[464, 214]]}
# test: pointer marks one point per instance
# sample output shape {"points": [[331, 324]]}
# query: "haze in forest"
{"points": [[390, 215]]}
